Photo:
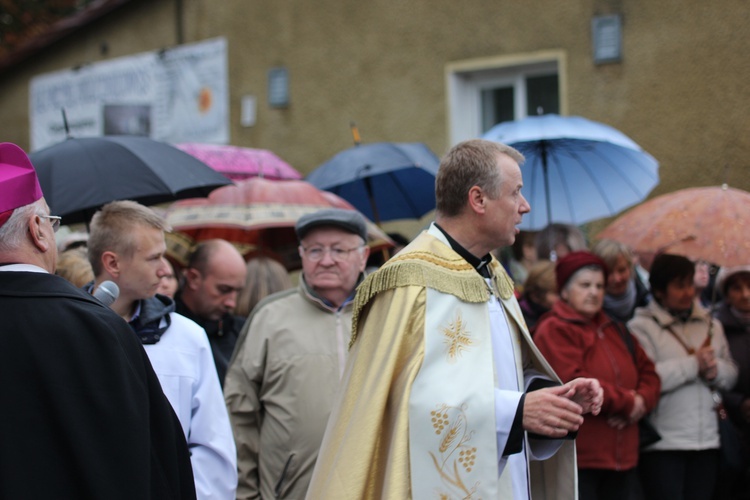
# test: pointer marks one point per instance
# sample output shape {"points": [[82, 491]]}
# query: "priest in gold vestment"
{"points": [[444, 394]]}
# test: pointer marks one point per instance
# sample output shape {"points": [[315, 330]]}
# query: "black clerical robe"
{"points": [[82, 414]]}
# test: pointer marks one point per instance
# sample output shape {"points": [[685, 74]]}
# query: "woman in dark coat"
{"points": [[734, 315]]}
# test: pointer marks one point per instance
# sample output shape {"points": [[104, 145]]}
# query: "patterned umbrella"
{"points": [[240, 163], [258, 216], [704, 223]]}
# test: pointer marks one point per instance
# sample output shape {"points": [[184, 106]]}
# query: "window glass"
{"points": [[542, 93], [497, 106]]}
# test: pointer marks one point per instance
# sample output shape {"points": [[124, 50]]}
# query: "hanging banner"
{"points": [[173, 95]]}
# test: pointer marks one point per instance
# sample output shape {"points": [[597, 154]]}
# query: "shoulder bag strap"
{"points": [[668, 328]]}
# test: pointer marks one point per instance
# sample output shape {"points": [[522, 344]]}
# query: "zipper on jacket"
{"points": [[342, 343], [280, 483], [618, 380]]}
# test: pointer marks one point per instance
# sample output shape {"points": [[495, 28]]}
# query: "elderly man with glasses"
{"points": [[84, 415], [290, 357]]}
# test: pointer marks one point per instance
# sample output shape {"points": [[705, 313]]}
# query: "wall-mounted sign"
{"points": [[174, 95], [278, 87], [607, 36]]}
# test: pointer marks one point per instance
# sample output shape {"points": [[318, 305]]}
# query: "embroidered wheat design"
{"points": [[455, 457], [457, 338], [450, 436]]}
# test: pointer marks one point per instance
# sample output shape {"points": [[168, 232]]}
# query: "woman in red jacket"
{"points": [[579, 340]]}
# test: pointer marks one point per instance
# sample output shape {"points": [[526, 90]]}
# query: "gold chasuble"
{"points": [[415, 415]]}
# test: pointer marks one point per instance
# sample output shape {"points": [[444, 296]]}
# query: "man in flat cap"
{"points": [[288, 362], [83, 413]]}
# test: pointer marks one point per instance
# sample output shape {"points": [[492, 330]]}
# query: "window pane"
{"points": [[497, 106], [542, 92]]}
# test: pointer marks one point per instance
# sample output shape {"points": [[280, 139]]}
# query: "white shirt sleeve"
{"points": [[185, 367]]}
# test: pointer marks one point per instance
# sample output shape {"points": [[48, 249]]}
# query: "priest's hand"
{"points": [[588, 393], [550, 412]]}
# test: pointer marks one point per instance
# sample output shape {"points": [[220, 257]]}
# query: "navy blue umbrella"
{"points": [[576, 170], [385, 180], [79, 175]]}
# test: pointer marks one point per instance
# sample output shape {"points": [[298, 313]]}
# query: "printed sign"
{"points": [[173, 95]]}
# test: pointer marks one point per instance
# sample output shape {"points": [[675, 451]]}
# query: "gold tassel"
{"points": [[457, 278]]}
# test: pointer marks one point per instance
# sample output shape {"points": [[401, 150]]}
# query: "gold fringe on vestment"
{"points": [[419, 268]]}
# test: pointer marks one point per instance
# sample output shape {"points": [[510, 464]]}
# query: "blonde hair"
{"points": [[112, 229], [540, 280], [264, 277], [74, 266], [610, 250]]}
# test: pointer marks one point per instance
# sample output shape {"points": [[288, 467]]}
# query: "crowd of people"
{"points": [[671, 355], [477, 362]]}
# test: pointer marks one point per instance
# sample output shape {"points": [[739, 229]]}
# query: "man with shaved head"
{"points": [[214, 275]]}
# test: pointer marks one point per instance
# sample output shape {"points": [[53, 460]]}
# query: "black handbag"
{"points": [[647, 433], [731, 456]]}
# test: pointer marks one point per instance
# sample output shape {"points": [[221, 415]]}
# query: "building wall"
{"points": [[680, 91]]}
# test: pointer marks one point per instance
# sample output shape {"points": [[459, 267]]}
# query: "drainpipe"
{"points": [[178, 22]]}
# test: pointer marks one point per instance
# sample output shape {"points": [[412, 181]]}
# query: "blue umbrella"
{"points": [[576, 170], [385, 180]]}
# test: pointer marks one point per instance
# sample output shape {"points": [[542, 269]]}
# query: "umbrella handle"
{"points": [[711, 311], [355, 133]]}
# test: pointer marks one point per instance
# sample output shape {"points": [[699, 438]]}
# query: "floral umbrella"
{"points": [[240, 163], [704, 223], [258, 216]]}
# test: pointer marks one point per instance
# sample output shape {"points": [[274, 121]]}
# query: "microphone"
{"points": [[107, 292]]}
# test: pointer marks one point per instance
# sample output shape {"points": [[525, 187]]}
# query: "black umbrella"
{"points": [[79, 175]]}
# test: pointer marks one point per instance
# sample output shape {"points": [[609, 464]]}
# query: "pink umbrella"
{"points": [[240, 163]]}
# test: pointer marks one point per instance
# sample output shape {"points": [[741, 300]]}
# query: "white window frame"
{"points": [[465, 81]]}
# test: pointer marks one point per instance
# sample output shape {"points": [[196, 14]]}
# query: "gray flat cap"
{"points": [[348, 220]]}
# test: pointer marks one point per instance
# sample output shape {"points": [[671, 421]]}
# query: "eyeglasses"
{"points": [[54, 220], [316, 254]]}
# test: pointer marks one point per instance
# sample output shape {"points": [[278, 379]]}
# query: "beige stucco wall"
{"points": [[680, 91]]}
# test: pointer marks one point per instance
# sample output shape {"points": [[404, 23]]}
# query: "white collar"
{"points": [[30, 268]]}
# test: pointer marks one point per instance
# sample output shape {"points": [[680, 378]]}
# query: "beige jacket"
{"points": [[685, 416], [279, 390]]}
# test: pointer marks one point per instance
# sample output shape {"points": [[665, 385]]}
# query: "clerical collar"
{"points": [[481, 265]]}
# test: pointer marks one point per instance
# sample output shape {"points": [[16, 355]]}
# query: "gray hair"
{"points": [[468, 164], [13, 232]]}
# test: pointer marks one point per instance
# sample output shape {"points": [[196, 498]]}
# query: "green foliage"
{"points": [[23, 20]]}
